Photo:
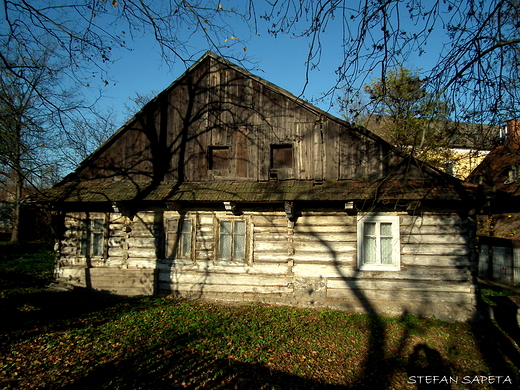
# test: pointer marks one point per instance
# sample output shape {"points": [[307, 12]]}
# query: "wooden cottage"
{"points": [[228, 187]]}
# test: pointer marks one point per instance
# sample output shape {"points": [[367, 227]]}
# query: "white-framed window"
{"points": [[179, 238], [234, 246], [93, 236], [378, 244]]}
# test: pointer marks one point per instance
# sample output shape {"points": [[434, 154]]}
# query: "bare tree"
{"points": [[80, 37], [85, 32], [83, 136], [21, 127], [477, 68], [36, 111]]}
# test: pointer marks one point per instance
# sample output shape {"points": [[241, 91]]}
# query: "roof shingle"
{"points": [[270, 191]]}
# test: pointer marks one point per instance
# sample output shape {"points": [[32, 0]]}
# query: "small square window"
{"points": [[218, 158], [281, 156], [378, 243]]}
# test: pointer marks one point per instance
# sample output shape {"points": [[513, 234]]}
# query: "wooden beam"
{"points": [[413, 205], [350, 208], [231, 207], [289, 210], [121, 209], [173, 206]]}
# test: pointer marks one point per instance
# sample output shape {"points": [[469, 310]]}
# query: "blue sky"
{"points": [[280, 60]]}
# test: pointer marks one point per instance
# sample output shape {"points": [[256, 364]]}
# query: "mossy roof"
{"points": [[245, 191]]}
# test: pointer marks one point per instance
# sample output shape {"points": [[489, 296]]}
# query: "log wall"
{"points": [[312, 262]]}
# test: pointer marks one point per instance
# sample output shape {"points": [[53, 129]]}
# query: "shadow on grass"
{"points": [[427, 361], [175, 366], [25, 270], [25, 265], [166, 365], [32, 310], [496, 341], [172, 362]]}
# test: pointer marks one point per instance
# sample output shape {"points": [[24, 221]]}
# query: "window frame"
{"points": [[88, 231], [178, 221], [395, 242], [248, 245]]}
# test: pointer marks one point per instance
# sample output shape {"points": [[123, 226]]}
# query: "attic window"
{"points": [[218, 158], [281, 156]]}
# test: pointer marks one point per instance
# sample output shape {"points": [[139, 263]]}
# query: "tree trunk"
{"points": [[15, 233], [18, 185]]}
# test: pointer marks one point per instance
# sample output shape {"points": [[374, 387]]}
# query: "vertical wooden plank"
{"points": [[331, 151], [483, 262], [318, 154], [299, 161], [263, 151], [362, 166], [516, 266], [305, 151], [241, 151], [350, 155], [200, 120], [501, 265]]}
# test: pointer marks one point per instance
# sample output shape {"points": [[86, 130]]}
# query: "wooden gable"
{"points": [[219, 122]]}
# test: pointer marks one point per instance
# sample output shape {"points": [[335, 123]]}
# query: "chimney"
{"points": [[513, 132]]}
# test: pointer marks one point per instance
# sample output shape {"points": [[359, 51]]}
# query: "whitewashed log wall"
{"points": [[310, 263]]}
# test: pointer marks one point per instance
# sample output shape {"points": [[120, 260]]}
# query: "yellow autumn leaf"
{"points": [[245, 48], [114, 3], [220, 6]]}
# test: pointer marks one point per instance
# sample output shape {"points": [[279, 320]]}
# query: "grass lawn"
{"points": [[82, 340]]}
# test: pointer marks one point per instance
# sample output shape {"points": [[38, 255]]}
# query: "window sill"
{"points": [[233, 263], [385, 268]]}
